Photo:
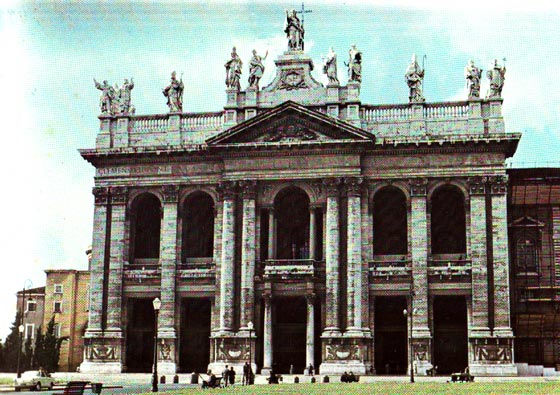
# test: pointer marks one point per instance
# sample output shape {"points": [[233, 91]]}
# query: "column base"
{"points": [[102, 354], [492, 356], [339, 367], [421, 368], [345, 353], [101, 367], [232, 350], [480, 369], [166, 368]]}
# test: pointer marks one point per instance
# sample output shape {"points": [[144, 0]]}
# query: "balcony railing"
{"points": [[289, 267], [392, 269], [450, 270], [142, 272]]}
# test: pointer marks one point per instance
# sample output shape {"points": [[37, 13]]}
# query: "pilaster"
{"points": [[248, 191], [267, 334]]}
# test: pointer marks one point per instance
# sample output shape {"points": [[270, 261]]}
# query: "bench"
{"points": [[74, 388], [216, 384]]}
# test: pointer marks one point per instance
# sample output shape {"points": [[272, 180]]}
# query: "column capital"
{"points": [[101, 195], [353, 185], [227, 190], [267, 297], [248, 189], [331, 186], [418, 187], [477, 185], [310, 298], [498, 184], [170, 193], [119, 195]]}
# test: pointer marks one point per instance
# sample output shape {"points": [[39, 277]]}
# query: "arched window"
{"points": [[146, 227], [198, 226], [291, 210], [389, 222], [448, 227], [526, 255]]}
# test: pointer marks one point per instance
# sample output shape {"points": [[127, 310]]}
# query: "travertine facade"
{"points": [[312, 215]]}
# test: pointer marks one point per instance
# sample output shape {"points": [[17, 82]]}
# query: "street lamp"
{"points": [[405, 313], [251, 328], [27, 284], [157, 306]]}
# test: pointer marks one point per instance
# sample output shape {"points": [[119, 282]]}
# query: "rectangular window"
{"points": [[57, 308], [31, 305], [58, 288], [29, 331], [57, 330]]}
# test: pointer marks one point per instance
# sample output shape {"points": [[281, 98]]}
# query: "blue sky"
{"points": [[49, 105]]}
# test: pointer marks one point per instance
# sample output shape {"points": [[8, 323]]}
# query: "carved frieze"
{"points": [[293, 79], [289, 131]]}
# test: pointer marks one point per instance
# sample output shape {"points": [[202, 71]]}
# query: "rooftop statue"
{"points": [[107, 98], [497, 77], [329, 67], [124, 94], [256, 69], [294, 31], [354, 64], [414, 77], [473, 74], [233, 70], [174, 94]]}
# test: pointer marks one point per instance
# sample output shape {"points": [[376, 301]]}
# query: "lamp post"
{"points": [[251, 328], [27, 284], [157, 306], [406, 315]]}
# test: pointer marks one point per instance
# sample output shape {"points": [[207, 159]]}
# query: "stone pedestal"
{"points": [[166, 353], [345, 354], [233, 350], [102, 353], [492, 357]]}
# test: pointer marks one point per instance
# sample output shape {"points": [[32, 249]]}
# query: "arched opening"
{"points": [[291, 208], [198, 227], [146, 227], [389, 222], [448, 228]]}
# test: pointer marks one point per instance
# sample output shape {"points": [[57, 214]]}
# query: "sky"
{"points": [[52, 51]]}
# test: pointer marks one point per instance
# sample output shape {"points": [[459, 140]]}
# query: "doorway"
{"points": [[140, 335], [450, 334], [390, 335], [194, 343], [289, 334]]}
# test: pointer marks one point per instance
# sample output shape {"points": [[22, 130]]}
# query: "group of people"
{"points": [[228, 376], [348, 378]]}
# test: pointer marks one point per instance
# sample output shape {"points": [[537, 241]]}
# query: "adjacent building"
{"points": [[67, 299], [32, 303]]}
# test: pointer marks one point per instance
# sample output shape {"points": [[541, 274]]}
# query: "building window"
{"points": [[29, 331], [57, 330], [526, 255], [31, 305], [57, 308], [58, 288]]}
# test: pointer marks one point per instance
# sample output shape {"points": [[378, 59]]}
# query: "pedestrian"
{"points": [[225, 375], [291, 369], [232, 376], [246, 377]]}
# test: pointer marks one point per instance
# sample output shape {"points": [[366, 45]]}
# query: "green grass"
{"points": [[6, 380], [386, 388]]}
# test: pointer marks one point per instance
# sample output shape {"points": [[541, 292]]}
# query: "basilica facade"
{"points": [[300, 226]]}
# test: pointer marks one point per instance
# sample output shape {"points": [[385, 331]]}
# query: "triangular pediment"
{"points": [[290, 123], [526, 222]]}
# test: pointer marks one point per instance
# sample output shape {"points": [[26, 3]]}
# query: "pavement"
{"points": [[136, 383]]}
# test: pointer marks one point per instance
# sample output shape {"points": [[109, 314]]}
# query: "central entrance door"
{"points": [[289, 334], [194, 348], [390, 335], [450, 334], [140, 336]]}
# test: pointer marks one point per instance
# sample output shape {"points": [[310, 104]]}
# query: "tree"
{"points": [[11, 346], [47, 348], [26, 361]]}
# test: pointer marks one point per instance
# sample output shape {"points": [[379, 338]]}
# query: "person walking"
{"points": [[231, 376], [225, 376]]}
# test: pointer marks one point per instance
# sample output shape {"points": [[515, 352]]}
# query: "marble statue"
{"points": [[233, 70], [354, 64], [125, 97], [496, 75], [107, 97], [256, 69], [329, 67], [414, 77], [473, 74], [294, 31], [174, 94]]}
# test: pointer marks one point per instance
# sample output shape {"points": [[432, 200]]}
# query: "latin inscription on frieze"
{"points": [[134, 170]]}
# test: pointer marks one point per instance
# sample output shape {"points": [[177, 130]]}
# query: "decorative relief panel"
{"points": [[293, 79], [338, 349], [232, 349], [166, 350], [102, 352], [493, 351]]}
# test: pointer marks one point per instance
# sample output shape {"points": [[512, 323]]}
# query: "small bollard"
{"points": [[194, 378], [313, 379], [326, 379], [176, 379], [296, 379], [162, 380]]}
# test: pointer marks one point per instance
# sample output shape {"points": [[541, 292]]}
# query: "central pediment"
{"points": [[290, 123]]}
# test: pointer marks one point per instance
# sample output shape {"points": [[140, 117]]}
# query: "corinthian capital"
{"points": [[418, 186], [100, 194], [498, 184], [119, 195], [353, 185], [331, 186], [248, 189], [227, 190], [170, 193], [477, 185]]}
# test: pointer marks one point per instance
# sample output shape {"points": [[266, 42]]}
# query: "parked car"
{"points": [[34, 380]]}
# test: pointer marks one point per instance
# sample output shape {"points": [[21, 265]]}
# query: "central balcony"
{"points": [[385, 269], [288, 269]]}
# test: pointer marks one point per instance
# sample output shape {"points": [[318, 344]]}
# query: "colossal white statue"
{"points": [[174, 94], [473, 74], [256, 69], [329, 67], [233, 70], [294, 31], [496, 75], [414, 77]]}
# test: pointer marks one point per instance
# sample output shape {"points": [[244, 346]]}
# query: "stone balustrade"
{"points": [[202, 121], [386, 113], [287, 268], [142, 272], [455, 270], [390, 270], [149, 123], [446, 110]]}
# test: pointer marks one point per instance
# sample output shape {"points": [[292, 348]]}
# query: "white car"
{"points": [[34, 380]]}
